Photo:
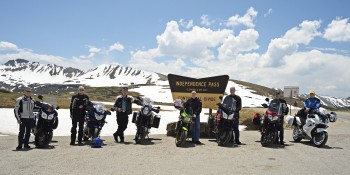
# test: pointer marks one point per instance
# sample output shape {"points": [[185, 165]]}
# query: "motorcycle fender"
{"points": [[319, 130]]}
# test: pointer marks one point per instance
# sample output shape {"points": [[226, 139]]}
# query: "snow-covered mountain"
{"points": [[332, 102], [22, 72]]}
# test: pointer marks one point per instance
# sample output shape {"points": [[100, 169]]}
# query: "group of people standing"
{"points": [[24, 113]]}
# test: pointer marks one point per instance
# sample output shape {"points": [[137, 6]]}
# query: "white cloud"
{"points": [[245, 41], [205, 20], [268, 12], [246, 20], [338, 30], [185, 24], [7, 46], [303, 34], [116, 47]]}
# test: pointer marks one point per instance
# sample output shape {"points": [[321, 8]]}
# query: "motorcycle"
{"points": [[45, 121], [145, 119], [96, 114], [183, 125], [271, 121], [225, 119], [314, 129]]}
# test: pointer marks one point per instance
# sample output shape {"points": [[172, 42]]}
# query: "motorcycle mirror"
{"points": [[112, 109], [267, 99], [264, 105], [40, 97], [57, 108], [108, 113], [220, 97], [158, 107]]}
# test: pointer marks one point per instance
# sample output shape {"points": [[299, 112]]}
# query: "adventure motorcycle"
{"points": [[183, 125], [332, 116], [94, 120], [145, 119], [271, 122], [314, 129], [45, 121]]}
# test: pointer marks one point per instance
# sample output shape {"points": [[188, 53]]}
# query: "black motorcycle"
{"points": [[145, 119], [271, 122], [45, 121], [224, 124], [94, 120]]}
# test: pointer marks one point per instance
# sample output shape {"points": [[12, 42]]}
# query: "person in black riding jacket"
{"points": [[285, 112], [78, 106], [238, 108], [24, 109], [194, 107], [123, 107]]}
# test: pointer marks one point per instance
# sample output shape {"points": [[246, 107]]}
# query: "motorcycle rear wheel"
{"points": [[295, 134]]}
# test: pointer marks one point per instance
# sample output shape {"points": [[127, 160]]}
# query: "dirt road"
{"points": [[161, 156]]}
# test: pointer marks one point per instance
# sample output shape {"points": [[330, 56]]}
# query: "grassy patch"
{"points": [[62, 99]]}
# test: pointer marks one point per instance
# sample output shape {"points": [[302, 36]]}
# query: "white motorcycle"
{"points": [[314, 129]]}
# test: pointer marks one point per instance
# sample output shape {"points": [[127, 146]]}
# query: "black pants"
{"points": [[75, 120], [236, 129], [122, 121], [24, 131]]}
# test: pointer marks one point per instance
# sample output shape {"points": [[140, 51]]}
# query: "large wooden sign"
{"points": [[208, 89]]}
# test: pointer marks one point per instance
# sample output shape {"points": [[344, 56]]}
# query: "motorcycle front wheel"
{"points": [[140, 135], [223, 137], [320, 139], [42, 139], [268, 138], [181, 137]]}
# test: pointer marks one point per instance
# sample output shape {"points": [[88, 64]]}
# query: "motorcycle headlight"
{"points": [[275, 118], [269, 117], [44, 115], [145, 110]]}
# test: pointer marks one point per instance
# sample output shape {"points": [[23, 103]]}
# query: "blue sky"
{"points": [[273, 43]]}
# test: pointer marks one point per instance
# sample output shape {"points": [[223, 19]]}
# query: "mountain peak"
{"points": [[13, 62]]}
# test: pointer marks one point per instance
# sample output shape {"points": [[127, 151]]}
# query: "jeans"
{"points": [[196, 129], [236, 129], [24, 131]]}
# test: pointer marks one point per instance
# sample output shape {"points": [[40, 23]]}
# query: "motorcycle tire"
{"points": [[223, 137], [181, 137], [320, 139], [96, 133], [268, 138], [41, 139], [295, 136], [140, 135]]}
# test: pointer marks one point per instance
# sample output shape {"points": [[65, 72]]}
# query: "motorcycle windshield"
{"points": [[229, 105], [276, 107], [99, 108], [147, 102], [47, 108]]}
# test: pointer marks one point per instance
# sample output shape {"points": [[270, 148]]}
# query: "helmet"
{"points": [[96, 143], [312, 91], [256, 119]]}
